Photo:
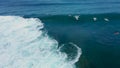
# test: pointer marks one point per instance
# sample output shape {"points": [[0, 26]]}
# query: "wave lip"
{"points": [[24, 45]]}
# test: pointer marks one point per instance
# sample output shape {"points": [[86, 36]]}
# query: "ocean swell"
{"points": [[23, 44]]}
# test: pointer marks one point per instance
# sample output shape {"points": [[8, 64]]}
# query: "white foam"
{"points": [[77, 17], [106, 19], [94, 18], [24, 45]]}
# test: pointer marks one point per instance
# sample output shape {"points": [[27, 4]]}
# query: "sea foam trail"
{"points": [[24, 45]]}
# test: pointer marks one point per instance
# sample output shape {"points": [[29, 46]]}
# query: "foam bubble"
{"points": [[77, 17], [106, 19], [94, 18], [24, 45]]}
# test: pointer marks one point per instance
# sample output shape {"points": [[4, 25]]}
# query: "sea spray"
{"points": [[23, 44]]}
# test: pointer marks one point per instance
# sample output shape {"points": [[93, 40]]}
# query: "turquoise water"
{"points": [[98, 39], [88, 32]]}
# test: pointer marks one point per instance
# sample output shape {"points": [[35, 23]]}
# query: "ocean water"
{"points": [[59, 34]]}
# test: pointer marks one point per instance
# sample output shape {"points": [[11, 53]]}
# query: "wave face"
{"points": [[101, 27], [23, 44], [97, 34]]}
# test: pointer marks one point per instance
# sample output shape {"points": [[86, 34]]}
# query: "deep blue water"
{"points": [[96, 32], [55, 7]]}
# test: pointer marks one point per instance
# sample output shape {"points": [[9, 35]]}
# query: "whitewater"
{"points": [[24, 44]]}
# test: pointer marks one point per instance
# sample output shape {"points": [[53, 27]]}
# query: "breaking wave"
{"points": [[23, 44]]}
